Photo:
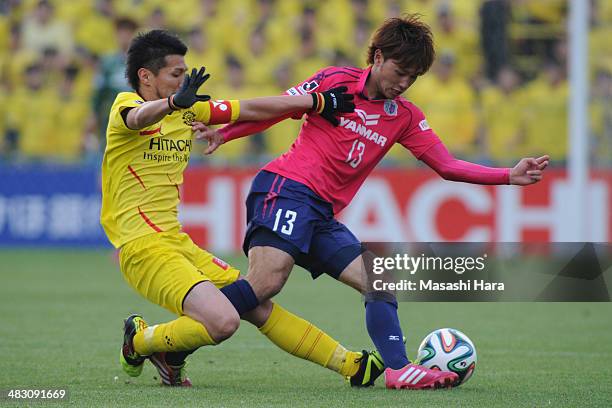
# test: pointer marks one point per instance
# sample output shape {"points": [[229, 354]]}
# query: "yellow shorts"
{"points": [[163, 268]]}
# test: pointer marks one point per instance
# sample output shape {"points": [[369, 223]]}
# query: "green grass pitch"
{"points": [[61, 318]]}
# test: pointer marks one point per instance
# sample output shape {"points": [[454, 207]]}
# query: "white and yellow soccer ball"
{"points": [[448, 350]]}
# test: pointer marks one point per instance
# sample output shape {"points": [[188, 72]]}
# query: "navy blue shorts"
{"points": [[287, 215]]}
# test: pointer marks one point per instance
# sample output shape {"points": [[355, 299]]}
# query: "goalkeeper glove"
{"points": [[187, 95], [332, 101]]}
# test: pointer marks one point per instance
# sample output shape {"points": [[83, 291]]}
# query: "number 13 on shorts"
{"points": [[287, 221]]}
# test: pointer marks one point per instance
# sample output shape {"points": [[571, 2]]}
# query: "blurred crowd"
{"points": [[497, 91]]}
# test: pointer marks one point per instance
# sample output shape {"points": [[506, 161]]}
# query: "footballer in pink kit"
{"points": [[293, 200]]}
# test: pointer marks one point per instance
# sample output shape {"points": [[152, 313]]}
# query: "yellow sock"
{"points": [[181, 334], [344, 361], [303, 339]]}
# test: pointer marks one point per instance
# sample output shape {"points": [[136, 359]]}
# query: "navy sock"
{"points": [[241, 295], [177, 358], [384, 328]]}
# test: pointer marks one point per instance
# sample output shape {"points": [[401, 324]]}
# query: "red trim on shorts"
{"points": [[148, 221], [136, 176], [271, 194], [280, 185]]}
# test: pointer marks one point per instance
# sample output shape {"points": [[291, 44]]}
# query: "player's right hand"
{"points": [[333, 101], [187, 95], [212, 136], [528, 171]]}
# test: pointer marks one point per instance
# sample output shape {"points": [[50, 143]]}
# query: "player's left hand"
{"points": [[212, 136], [187, 95], [332, 101], [528, 171]]}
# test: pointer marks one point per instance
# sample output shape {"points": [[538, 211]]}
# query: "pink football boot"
{"points": [[416, 377]]}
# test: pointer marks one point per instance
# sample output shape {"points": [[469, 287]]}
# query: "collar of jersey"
{"points": [[362, 81]]}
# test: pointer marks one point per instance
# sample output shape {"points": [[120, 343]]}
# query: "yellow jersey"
{"points": [[143, 169]]}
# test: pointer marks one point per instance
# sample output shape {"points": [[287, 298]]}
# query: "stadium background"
{"points": [[498, 91]]}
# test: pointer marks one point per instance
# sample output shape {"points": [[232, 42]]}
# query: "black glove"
{"points": [[332, 101], [186, 96]]}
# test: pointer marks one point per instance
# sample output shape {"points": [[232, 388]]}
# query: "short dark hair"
{"points": [[126, 23], [406, 40], [149, 50]]}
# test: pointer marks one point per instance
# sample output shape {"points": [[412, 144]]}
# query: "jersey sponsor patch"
{"points": [[424, 125], [368, 120], [293, 91], [220, 263], [390, 107], [308, 87]]}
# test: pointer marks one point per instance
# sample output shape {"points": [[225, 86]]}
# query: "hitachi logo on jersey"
{"points": [[158, 143], [363, 131]]}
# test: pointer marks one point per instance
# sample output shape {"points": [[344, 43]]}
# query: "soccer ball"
{"points": [[448, 350]]}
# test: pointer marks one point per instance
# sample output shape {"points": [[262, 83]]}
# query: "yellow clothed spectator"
{"points": [[427, 8], [182, 15], [5, 35], [547, 11], [600, 54], [601, 118], [603, 9], [202, 53], [136, 10], [308, 60], [258, 58], [42, 30], [546, 114], [37, 128], [85, 81], [449, 103], [16, 66], [235, 87], [72, 12], [72, 114], [502, 118], [451, 37], [332, 24], [466, 12], [279, 137], [95, 30], [3, 116]]}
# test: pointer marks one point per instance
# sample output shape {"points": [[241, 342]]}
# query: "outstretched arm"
{"points": [[236, 130], [527, 171], [152, 112], [272, 109]]}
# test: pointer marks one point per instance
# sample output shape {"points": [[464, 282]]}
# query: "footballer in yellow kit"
{"points": [[149, 142], [141, 174]]}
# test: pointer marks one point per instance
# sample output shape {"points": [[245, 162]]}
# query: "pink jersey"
{"points": [[335, 161]]}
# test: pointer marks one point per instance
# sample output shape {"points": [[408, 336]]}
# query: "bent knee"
{"points": [[273, 286], [225, 327]]}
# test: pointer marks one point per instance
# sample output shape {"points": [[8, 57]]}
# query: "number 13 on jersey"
{"points": [[356, 154]]}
